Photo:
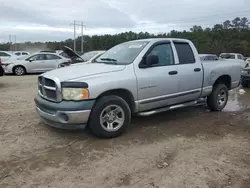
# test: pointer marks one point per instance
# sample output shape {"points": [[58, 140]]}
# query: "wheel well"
{"points": [[124, 94], [225, 79], [18, 66]]}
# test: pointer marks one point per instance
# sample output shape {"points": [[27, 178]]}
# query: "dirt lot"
{"points": [[189, 147]]}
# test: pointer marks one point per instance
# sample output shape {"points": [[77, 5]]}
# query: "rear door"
{"points": [[190, 72], [35, 63], [51, 62]]}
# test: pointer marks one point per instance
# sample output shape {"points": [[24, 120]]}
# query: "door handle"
{"points": [[173, 72], [197, 70]]}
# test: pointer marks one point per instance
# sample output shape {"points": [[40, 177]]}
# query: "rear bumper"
{"points": [[64, 115]]}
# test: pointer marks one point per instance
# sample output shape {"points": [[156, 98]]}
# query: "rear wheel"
{"points": [[19, 70], [217, 100], [110, 117]]}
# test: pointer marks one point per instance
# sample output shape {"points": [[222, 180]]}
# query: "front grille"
{"points": [[48, 88]]}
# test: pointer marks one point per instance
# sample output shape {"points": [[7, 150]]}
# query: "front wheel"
{"points": [[217, 100], [110, 117]]}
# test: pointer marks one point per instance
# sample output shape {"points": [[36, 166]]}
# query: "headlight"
{"points": [[244, 72], [75, 94]]}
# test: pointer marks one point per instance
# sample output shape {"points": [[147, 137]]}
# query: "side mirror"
{"points": [[245, 58], [151, 60]]}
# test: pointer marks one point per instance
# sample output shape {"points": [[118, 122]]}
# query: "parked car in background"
{"points": [[21, 53], [87, 57], [235, 56], [6, 56], [248, 62], [245, 77], [48, 51], [140, 77], [35, 63], [208, 57]]}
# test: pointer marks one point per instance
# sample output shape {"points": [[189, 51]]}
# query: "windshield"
{"points": [[122, 54], [227, 56]]}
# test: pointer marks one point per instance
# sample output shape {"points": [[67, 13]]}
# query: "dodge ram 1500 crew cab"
{"points": [[140, 77]]}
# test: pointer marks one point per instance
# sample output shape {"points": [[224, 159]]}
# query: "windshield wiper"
{"points": [[108, 59]]}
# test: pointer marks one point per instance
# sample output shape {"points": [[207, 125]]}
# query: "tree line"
{"points": [[230, 36]]}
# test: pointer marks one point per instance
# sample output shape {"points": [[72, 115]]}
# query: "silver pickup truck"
{"points": [[139, 77]]}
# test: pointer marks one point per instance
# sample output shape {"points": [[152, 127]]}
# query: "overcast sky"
{"points": [[49, 20]]}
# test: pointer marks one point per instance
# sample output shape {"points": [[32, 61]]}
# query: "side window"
{"points": [[18, 53], [164, 53], [239, 57], [38, 57], [52, 57], [4, 54], [185, 53], [24, 53]]}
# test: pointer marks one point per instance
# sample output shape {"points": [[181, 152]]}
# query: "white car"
{"points": [[21, 53], [6, 56], [87, 57], [35, 63], [234, 56], [208, 57]]}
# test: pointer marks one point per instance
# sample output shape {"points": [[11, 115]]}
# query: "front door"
{"points": [[157, 84]]}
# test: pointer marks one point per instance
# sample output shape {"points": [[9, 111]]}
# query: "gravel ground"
{"points": [[189, 147]]}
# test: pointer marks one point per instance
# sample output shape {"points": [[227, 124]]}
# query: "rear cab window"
{"points": [[184, 52]]}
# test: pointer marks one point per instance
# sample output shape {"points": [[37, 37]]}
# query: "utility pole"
{"points": [[10, 41], [15, 46], [77, 24], [82, 37], [74, 35]]}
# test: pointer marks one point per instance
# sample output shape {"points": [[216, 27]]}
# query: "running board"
{"points": [[159, 110]]}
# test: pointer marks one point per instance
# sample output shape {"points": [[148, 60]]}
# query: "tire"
{"points": [[213, 101], [244, 84], [103, 124], [19, 70]]}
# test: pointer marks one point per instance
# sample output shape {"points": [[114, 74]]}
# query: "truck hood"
{"points": [[83, 70]]}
